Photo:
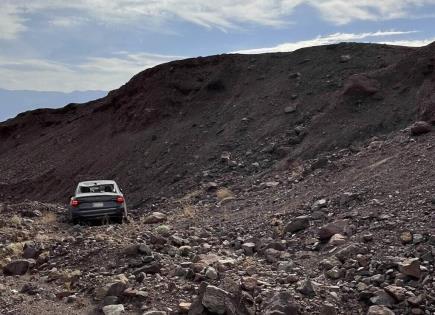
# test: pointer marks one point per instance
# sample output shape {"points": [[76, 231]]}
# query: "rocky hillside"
{"points": [[299, 183], [169, 127]]}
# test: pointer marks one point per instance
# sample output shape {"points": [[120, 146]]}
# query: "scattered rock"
{"points": [[379, 310], [116, 288], [420, 127], [361, 85], [281, 303], [290, 109], [410, 267], [144, 249], [406, 237], [345, 58], [398, 293], [211, 273], [321, 203], [272, 255], [115, 309], [155, 217], [368, 237], [248, 248], [337, 239], [306, 288], [249, 283], [110, 300], [214, 299], [184, 250], [382, 298], [163, 230], [337, 227], [184, 307], [17, 267], [31, 251], [297, 224], [328, 309]]}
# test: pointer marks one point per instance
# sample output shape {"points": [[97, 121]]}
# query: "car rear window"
{"points": [[97, 189]]}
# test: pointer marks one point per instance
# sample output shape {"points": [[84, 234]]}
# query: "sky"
{"points": [[65, 45]]}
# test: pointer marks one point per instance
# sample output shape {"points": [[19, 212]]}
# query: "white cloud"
{"points": [[223, 14], [95, 73], [67, 21], [345, 11], [332, 39], [409, 43], [11, 24], [106, 73]]}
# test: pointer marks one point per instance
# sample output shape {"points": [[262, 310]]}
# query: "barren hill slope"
{"points": [[167, 128]]}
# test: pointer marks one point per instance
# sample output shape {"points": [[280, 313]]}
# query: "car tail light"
{"points": [[120, 199], [74, 202]]}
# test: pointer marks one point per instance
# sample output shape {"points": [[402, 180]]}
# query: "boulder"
{"points": [[184, 307], [151, 268], [420, 127], [115, 309], [321, 203], [184, 250], [306, 288], [337, 227], [214, 299], [163, 230], [144, 249], [349, 251], [272, 255], [382, 298], [379, 310], [31, 251], [361, 85], [410, 267], [406, 237], [345, 58], [248, 248], [249, 283], [17, 267], [297, 224], [398, 293], [337, 239], [281, 303], [328, 309], [110, 300], [211, 273], [116, 288], [290, 109]]}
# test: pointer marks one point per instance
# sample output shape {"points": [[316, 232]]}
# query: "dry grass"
{"points": [[48, 217], [188, 197], [189, 211], [224, 193], [16, 220]]}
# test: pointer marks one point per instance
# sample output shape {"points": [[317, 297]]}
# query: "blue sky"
{"points": [[61, 45]]}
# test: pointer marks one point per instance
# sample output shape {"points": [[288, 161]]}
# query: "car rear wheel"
{"points": [[72, 219]]}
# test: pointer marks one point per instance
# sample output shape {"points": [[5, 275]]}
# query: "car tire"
{"points": [[72, 219], [119, 219]]}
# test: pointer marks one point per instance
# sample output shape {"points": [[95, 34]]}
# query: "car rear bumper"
{"points": [[96, 213]]}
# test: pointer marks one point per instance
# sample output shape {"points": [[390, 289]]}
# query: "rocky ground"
{"points": [[349, 232]]}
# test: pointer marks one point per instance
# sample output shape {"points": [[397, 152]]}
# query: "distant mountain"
{"points": [[13, 102]]}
